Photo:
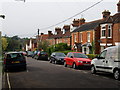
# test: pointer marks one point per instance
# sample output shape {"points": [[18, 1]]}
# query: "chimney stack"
{"points": [[50, 33], [82, 21], [78, 22], [118, 6], [75, 23], [106, 13], [42, 33], [66, 28], [58, 30]]}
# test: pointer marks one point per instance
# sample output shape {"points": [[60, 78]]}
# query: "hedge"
{"points": [[91, 56], [65, 52]]}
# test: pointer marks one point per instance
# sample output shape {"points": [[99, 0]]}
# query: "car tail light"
{"points": [[4, 61]]}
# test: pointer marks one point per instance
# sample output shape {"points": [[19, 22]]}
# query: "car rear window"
{"points": [[15, 55]]}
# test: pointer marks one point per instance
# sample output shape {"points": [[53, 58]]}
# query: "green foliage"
{"points": [[14, 43], [4, 43], [61, 47], [43, 45], [91, 56], [93, 47]]}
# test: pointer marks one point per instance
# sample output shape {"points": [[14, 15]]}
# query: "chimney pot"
{"points": [[106, 13]]}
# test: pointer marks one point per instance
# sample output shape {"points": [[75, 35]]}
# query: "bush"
{"points": [[91, 56], [61, 47]]}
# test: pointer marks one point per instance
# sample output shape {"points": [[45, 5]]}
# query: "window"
{"points": [[109, 31], [103, 54], [69, 55], [75, 38], [88, 36], [103, 31], [80, 37], [60, 41]]}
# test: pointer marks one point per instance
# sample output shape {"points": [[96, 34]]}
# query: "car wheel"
{"points": [[117, 74], [5, 69], [65, 64], [74, 66], [24, 68], [50, 60], [93, 71]]}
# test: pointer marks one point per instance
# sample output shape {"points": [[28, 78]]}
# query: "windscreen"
{"points": [[60, 54], [80, 55]]}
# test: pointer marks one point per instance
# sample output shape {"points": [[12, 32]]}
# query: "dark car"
{"points": [[57, 57], [41, 55], [30, 53], [13, 60]]}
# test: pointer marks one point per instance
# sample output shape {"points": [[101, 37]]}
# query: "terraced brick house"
{"points": [[60, 36], [93, 37]]}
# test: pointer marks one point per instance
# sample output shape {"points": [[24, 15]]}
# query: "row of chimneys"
{"points": [[59, 32], [78, 22]]}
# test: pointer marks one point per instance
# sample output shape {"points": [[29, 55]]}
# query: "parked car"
{"points": [[76, 60], [24, 53], [30, 53], [41, 55], [13, 60], [35, 53], [107, 61], [57, 57]]}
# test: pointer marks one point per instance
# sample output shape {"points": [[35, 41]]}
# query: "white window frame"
{"points": [[75, 38], [103, 25], [88, 36], [110, 30], [81, 37]]}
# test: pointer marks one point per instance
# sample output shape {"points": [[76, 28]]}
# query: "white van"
{"points": [[108, 61]]}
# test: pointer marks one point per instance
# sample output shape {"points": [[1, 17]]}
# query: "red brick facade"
{"points": [[103, 33], [60, 36]]}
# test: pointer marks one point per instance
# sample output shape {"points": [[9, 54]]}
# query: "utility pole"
{"points": [[38, 38], [38, 33]]}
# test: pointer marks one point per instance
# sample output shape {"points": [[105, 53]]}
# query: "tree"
{"points": [[4, 43], [43, 45]]}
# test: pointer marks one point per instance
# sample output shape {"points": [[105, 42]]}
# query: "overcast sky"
{"points": [[23, 19]]}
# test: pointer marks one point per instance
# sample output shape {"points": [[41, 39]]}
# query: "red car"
{"points": [[77, 59]]}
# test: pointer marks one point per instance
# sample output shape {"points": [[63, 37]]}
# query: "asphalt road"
{"points": [[42, 74]]}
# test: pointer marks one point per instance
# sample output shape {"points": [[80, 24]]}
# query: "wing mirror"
{"points": [[71, 56]]}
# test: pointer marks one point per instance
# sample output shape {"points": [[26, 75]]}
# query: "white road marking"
{"points": [[8, 80]]}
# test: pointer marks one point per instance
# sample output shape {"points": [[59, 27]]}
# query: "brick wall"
{"points": [[116, 33]]}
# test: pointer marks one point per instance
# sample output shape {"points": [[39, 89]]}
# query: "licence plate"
{"points": [[16, 62], [86, 64]]}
